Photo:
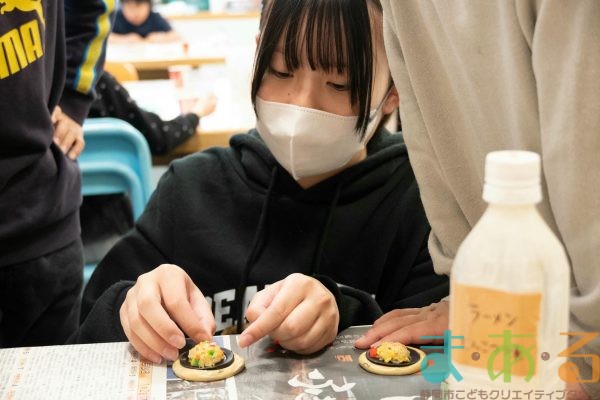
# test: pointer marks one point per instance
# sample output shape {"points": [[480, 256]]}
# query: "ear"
{"points": [[257, 38], [392, 102]]}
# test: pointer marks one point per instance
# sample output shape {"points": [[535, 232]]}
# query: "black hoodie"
{"points": [[233, 217], [50, 54]]}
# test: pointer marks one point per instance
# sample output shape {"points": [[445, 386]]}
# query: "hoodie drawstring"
{"points": [[257, 245]]}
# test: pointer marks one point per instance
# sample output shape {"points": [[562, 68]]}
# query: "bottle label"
{"points": [[500, 329]]}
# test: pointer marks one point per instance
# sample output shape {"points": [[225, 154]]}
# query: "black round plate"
{"points": [[414, 358], [227, 361]]}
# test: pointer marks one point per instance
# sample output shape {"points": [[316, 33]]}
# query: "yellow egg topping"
{"points": [[394, 352], [205, 354]]}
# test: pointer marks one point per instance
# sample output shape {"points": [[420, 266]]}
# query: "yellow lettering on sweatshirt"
{"points": [[19, 48], [8, 6]]}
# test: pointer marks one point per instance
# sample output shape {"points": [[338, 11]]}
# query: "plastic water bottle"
{"points": [[510, 287]]}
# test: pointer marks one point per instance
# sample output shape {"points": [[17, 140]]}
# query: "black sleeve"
{"points": [[87, 24], [144, 248], [421, 286], [103, 324], [114, 101], [356, 307], [409, 279]]}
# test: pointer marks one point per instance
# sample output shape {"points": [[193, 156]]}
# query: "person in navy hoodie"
{"points": [[52, 54]]}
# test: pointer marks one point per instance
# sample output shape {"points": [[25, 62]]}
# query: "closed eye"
{"points": [[338, 87], [280, 74]]}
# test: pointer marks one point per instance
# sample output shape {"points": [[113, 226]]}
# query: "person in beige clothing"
{"points": [[479, 76]]}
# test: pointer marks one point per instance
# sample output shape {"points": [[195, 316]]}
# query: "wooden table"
{"points": [[152, 60], [164, 64], [201, 141], [208, 15], [214, 130]]}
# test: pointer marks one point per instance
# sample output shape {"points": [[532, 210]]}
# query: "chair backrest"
{"points": [[116, 159], [123, 72]]}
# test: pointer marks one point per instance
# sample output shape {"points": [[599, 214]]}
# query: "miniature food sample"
{"points": [[205, 355], [391, 352]]}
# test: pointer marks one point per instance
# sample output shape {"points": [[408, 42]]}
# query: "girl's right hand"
{"points": [[158, 304]]}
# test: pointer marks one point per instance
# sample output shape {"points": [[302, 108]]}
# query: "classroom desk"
{"points": [[202, 140], [148, 57], [208, 15], [114, 371], [214, 130], [164, 64]]}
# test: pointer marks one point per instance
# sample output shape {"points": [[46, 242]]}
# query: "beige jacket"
{"points": [[483, 75]]}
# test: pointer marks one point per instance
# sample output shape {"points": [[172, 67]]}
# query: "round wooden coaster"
{"points": [[391, 370], [209, 375]]}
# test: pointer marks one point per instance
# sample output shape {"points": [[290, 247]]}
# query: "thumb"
{"points": [[56, 113]]}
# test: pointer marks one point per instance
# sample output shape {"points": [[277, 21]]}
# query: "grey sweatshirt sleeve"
{"points": [[497, 75], [441, 205], [566, 62]]}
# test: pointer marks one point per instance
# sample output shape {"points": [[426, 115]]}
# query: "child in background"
{"points": [[114, 101], [136, 22]]}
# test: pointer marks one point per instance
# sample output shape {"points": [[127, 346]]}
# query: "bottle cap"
{"points": [[512, 177]]}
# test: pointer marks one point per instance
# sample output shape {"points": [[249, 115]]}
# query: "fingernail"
{"points": [[155, 359], [177, 341], [245, 340], [170, 353]]}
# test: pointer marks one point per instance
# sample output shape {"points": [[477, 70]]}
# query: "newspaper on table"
{"points": [[88, 371], [115, 371], [274, 373]]}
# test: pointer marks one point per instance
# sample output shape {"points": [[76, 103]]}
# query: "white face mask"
{"points": [[308, 142]]}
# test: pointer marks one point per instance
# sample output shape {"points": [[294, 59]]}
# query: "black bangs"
{"points": [[333, 35]]}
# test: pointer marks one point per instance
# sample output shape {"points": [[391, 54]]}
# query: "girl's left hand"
{"points": [[408, 326], [298, 312]]}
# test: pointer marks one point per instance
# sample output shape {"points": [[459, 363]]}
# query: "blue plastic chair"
{"points": [[116, 159]]}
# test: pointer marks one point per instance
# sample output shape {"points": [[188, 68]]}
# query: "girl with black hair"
{"points": [[316, 209]]}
